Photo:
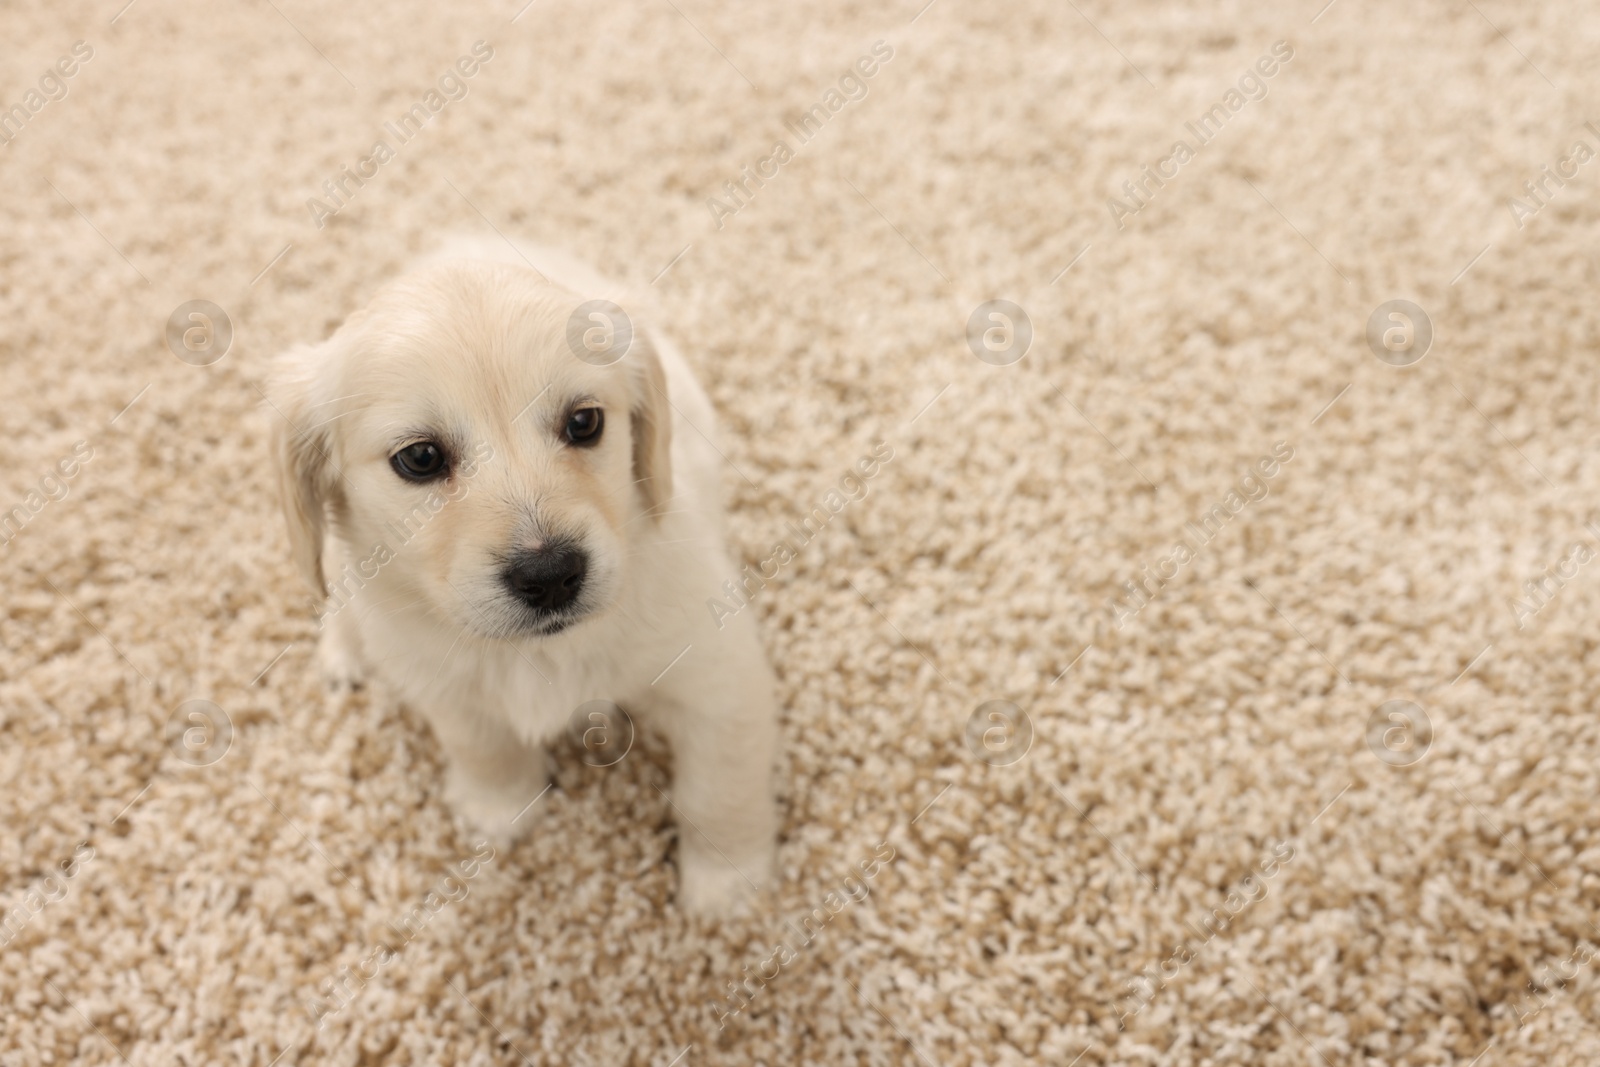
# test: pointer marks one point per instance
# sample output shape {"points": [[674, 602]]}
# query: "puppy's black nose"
{"points": [[549, 578]]}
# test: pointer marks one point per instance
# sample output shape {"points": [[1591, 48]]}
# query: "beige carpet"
{"points": [[1202, 841]]}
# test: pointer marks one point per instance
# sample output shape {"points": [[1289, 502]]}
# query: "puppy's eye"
{"points": [[419, 462], [584, 426]]}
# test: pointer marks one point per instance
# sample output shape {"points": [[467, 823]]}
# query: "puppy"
{"points": [[510, 501]]}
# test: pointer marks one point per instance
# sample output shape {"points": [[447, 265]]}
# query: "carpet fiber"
{"points": [[1208, 685]]}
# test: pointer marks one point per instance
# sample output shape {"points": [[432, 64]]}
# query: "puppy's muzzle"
{"points": [[547, 579]]}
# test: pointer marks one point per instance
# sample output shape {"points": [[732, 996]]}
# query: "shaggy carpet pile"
{"points": [[1208, 677]]}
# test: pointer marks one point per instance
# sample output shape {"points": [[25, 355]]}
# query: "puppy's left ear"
{"points": [[651, 416]]}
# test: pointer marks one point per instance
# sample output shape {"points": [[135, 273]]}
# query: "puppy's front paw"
{"points": [[339, 664], [714, 886], [502, 813]]}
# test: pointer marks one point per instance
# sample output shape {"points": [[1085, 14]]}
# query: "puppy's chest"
{"points": [[541, 703], [536, 691]]}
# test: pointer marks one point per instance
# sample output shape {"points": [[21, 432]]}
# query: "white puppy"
{"points": [[509, 525]]}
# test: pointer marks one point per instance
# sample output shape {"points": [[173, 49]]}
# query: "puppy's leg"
{"points": [[339, 651], [492, 778], [722, 724]]}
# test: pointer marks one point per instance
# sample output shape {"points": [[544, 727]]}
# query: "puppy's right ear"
{"points": [[307, 479]]}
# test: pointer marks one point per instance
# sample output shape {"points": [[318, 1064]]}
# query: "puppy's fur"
{"points": [[473, 355]]}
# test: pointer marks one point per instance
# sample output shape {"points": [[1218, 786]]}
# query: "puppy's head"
{"points": [[459, 446]]}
